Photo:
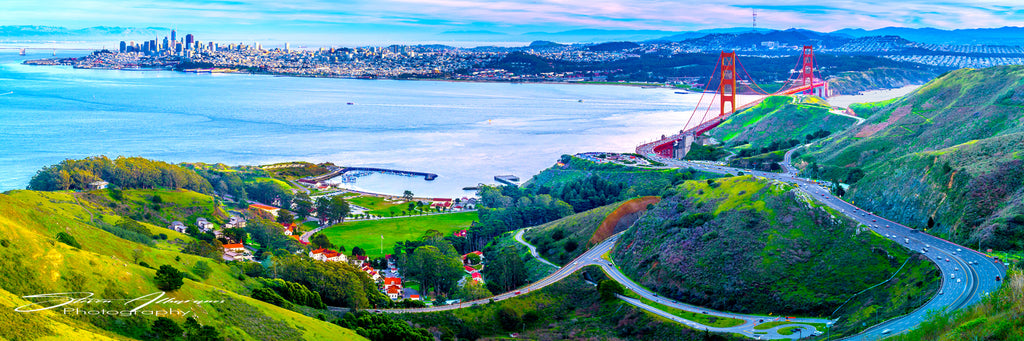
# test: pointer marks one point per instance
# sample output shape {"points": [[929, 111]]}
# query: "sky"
{"points": [[438, 20]]}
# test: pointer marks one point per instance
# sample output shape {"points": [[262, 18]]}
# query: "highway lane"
{"points": [[967, 275]]}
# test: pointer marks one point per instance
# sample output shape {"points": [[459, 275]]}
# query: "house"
{"points": [[460, 233], [265, 208], [469, 269], [203, 224], [393, 293], [325, 255], [235, 221], [465, 257], [178, 226], [358, 260], [414, 297], [477, 277], [234, 247], [100, 184], [393, 281], [289, 228]]}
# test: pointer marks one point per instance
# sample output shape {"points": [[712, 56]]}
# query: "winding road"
{"points": [[967, 275]]}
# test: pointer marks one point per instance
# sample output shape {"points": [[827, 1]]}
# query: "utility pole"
{"points": [[754, 14]]}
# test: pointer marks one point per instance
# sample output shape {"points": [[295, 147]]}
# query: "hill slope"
{"points": [[33, 262], [563, 240], [778, 119], [749, 245], [950, 151]]}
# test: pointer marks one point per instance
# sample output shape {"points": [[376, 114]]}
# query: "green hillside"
{"points": [[33, 261], [562, 240], [751, 245], [779, 119], [950, 151]]}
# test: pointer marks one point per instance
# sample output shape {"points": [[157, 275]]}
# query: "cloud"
{"points": [[512, 16]]}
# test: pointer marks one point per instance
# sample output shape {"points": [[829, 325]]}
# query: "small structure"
{"points": [[477, 277], [177, 226], [414, 297], [238, 247], [393, 293], [203, 224], [393, 287], [235, 221], [469, 269], [265, 208], [325, 255], [289, 228], [358, 261], [465, 257], [99, 184]]}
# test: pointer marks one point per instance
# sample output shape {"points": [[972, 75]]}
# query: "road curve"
{"points": [[967, 275]]}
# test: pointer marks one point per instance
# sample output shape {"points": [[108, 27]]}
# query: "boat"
{"points": [[350, 103], [22, 52]]}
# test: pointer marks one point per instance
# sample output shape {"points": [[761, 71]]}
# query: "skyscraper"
{"points": [[124, 47], [174, 41], [189, 41]]}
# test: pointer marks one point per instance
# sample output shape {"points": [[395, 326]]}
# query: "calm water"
{"points": [[464, 132]]}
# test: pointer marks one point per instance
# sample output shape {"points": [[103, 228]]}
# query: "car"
{"points": [[926, 245], [958, 250], [947, 259], [956, 269], [940, 292], [518, 292], [906, 241], [887, 331], [958, 280], [887, 225], [997, 278], [873, 220], [655, 294], [951, 276]]}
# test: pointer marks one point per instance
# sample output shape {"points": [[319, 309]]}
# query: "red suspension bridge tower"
{"points": [[727, 85]]}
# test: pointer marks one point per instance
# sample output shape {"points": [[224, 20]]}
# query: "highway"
{"points": [[967, 275]]}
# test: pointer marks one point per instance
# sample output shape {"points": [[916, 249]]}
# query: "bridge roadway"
{"points": [[967, 275]]}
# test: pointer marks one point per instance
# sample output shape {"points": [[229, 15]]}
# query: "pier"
{"points": [[510, 180], [339, 172]]}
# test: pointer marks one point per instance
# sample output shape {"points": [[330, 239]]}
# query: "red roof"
{"points": [[234, 246], [318, 251], [476, 275], [415, 297], [331, 253], [392, 290], [264, 207], [470, 269], [392, 280]]}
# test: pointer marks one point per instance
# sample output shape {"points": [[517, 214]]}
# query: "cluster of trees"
{"points": [[590, 192], [166, 329], [283, 294], [124, 172], [339, 284], [382, 327], [269, 193], [333, 209], [508, 208], [169, 278], [432, 261], [268, 234], [505, 270], [771, 147]]}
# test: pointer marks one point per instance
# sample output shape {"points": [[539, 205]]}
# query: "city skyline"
{"points": [[441, 20]]}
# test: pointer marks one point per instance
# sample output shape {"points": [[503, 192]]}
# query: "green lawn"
{"points": [[378, 206], [366, 234]]}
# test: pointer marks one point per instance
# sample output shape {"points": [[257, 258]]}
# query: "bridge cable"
{"points": [[706, 86]]}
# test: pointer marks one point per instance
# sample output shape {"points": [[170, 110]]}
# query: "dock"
{"points": [[323, 177], [510, 180]]}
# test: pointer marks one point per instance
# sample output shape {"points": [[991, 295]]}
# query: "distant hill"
{"points": [[22, 33], [614, 46], [752, 245], [1008, 35], [949, 152]]}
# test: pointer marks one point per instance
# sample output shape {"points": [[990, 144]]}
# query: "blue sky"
{"points": [[428, 20]]}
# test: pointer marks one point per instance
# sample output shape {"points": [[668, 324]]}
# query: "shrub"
{"points": [[168, 278], [68, 239]]}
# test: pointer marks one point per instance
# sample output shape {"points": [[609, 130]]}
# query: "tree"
{"points": [[434, 268], [608, 288], [931, 222], [202, 269], [320, 241], [285, 217], [166, 329], [407, 195], [357, 251], [303, 205], [68, 239], [168, 278], [473, 258], [473, 290], [333, 209], [136, 255], [157, 199], [235, 234], [506, 271]]}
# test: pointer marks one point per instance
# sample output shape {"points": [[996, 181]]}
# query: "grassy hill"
{"points": [[563, 240], [639, 181], [779, 119], [32, 261], [950, 151], [751, 245]]}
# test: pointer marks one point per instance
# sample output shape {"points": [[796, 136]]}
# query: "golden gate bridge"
{"points": [[676, 146]]}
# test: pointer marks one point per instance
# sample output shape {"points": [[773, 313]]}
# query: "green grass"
{"points": [[366, 234]]}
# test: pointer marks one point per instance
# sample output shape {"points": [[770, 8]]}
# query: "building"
{"points": [[393, 293], [265, 208], [358, 261], [177, 226], [477, 277], [100, 184], [325, 255], [239, 247], [235, 221], [289, 229], [465, 257], [203, 224]]}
